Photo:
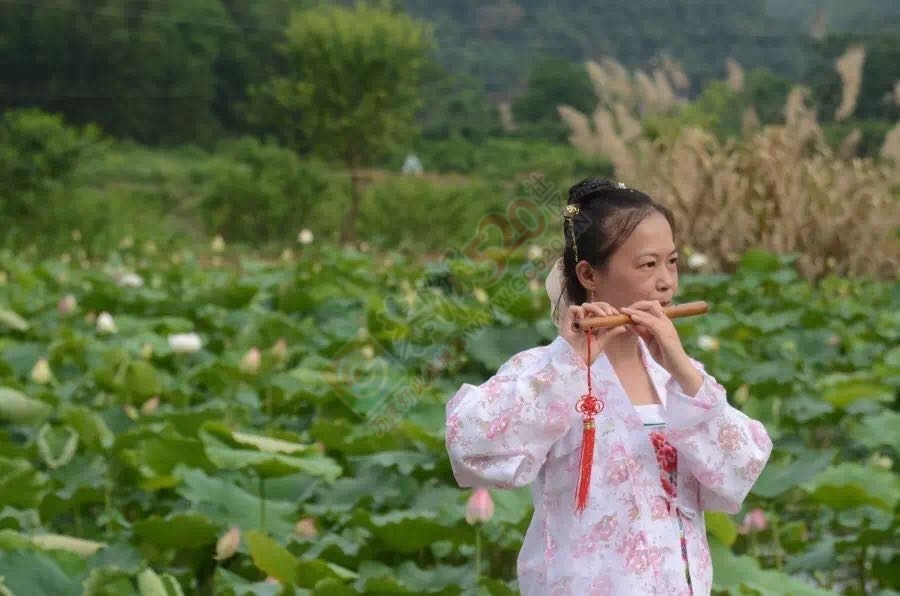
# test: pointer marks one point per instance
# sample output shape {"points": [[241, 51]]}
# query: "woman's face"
{"points": [[643, 268]]}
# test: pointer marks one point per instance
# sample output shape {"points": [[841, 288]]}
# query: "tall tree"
{"points": [[353, 86], [142, 70], [552, 82]]}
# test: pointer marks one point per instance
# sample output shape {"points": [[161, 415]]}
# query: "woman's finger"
{"points": [[601, 309], [650, 306], [613, 332], [610, 309], [646, 319], [644, 305]]}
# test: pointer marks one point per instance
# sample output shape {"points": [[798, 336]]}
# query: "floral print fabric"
{"points": [[643, 529]]}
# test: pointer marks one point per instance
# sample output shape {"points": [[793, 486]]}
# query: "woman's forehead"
{"points": [[652, 236]]}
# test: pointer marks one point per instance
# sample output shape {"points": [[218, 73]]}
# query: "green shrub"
{"points": [[417, 213], [98, 221], [873, 133], [38, 154], [504, 160], [266, 193]]}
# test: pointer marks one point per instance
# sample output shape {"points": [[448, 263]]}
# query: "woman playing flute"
{"points": [[624, 439]]}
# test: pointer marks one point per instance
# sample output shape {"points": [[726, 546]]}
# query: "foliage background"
{"points": [[162, 174]]}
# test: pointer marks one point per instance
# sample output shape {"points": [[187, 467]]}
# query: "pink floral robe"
{"points": [[520, 428]]}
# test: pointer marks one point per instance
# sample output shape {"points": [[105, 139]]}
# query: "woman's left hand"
{"points": [[659, 333]]}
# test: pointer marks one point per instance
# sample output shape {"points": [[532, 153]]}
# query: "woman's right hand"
{"points": [[600, 337]]}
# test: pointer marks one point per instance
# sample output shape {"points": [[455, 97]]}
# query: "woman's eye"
{"points": [[651, 265], [674, 260]]}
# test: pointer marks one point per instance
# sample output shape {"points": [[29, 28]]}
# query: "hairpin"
{"points": [[571, 212]]}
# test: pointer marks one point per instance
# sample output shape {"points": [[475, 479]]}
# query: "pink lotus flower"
{"points": [[480, 507], [67, 305], [251, 361], [306, 528], [754, 521]]}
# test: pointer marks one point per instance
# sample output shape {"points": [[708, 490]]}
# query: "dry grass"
{"points": [[780, 187], [750, 122], [850, 145], [623, 98], [507, 122], [850, 67], [735, 75], [676, 74], [776, 191], [819, 27], [890, 150]]}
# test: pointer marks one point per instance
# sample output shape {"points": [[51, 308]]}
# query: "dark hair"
{"points": [[607, 215]]}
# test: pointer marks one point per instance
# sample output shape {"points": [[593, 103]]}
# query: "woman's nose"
{"points": [[666, 281]]}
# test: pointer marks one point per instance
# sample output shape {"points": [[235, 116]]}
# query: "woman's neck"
{"points": [[624, 348]]}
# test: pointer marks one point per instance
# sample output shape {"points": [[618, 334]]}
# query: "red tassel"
{"points": [[589, 406], [587, 462]]}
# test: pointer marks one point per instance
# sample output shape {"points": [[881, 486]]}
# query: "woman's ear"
{"points": [[587, 276]]}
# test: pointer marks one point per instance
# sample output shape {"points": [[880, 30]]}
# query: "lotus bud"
{"points": [[131, 280], [305, 237], [105, 323], [280, 350], [754, 521], [41, 373], [150, 406], [67, 305], [306, 528], [480, 507], [707, 342], [185, 343], [228, 544], [251, 361], [131, 411]]}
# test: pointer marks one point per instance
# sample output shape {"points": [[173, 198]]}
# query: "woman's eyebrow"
{"points": [[653, 254]]}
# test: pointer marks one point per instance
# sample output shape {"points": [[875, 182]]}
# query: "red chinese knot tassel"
{"points": [[588, 406]]}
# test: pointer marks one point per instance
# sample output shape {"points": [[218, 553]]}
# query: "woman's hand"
{"points": [[659, 333], [599, 338]]}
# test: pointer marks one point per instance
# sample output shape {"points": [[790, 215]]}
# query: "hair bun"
{"points": [[587, 187]]}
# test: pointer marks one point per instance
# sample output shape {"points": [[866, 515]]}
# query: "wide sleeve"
{"points": [[723, 448], [499, 433]]}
